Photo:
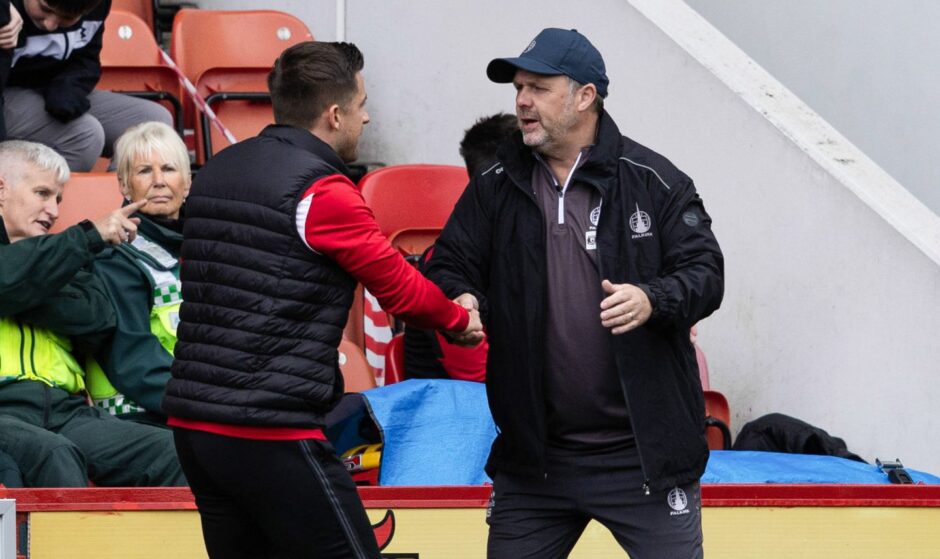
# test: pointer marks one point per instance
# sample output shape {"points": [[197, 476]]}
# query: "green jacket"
{"points": [[136, 362], [47, 292]]}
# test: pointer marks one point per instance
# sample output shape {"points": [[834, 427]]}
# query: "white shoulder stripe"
{"points": [[650, 168], [300, 219]]}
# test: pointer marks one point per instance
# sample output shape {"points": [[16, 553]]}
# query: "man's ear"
{"points": [[586, 96], [334, 117], [3, 191]]}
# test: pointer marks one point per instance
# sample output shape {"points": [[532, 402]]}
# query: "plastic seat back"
{"points": [[128, 41], [357, 374], [244, 117], [88, 196], [717, 420], [131, 63], [395, 360], [228, 55], [411, 203], [140, 8], [207, 39]]}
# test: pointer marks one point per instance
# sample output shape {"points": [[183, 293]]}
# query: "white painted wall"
{"points": [[869, 67], [833, 269]]}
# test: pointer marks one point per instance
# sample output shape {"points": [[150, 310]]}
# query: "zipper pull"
{"points": [[646, 488]]}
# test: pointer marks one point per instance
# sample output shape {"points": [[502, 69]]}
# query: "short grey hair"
{"points": [[14, 153], [141, 141], [574, 85]]}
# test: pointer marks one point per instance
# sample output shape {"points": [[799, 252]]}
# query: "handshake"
{"points": [[473, 334]]}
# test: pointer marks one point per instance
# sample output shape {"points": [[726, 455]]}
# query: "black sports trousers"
{"points": [[274, 499], [543, 518]]}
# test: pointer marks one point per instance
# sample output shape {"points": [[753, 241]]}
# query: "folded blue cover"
{"points": [[435, 432], [745, 466]]}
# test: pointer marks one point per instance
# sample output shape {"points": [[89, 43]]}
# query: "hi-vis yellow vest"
{"points": [[164, 318], [31, 353]]}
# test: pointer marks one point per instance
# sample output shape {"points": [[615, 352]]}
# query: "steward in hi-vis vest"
{"points": [[28, 352], [53, 313], [127, 378]]}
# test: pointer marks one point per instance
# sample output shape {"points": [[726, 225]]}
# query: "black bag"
{"points": [[776, 432]]}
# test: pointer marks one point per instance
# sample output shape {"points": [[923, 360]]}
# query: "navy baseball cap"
{"points": [[555, 52]]}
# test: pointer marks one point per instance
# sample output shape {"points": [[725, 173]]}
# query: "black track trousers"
{"points": [[274, 499], [543, 518]]}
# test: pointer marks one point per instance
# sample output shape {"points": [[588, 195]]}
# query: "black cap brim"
{"points": [[503, 70]]}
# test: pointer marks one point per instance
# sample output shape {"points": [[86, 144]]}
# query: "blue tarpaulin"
{"points": [[745, 466], [435, 432], [439, 432]]}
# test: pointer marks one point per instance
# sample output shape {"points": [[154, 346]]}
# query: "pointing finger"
{"points": [[133, 207]]}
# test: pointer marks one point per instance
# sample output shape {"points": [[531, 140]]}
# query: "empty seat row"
{"points": [[226, 55]]}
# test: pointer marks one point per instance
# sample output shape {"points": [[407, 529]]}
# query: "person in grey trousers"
{"points": [[49, 66]]}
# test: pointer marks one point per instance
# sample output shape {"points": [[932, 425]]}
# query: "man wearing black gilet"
{"points": [[276, 237]]}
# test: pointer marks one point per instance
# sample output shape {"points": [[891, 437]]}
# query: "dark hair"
{"points": [[480, 141], [72, 8], [309, 77]]}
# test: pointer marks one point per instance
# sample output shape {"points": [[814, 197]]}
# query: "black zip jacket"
{"points": [[653, 232], [63, 65]]}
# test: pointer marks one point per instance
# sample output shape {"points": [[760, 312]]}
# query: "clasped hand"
{"points": [[473, 333]]}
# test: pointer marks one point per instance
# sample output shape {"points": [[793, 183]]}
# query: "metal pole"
{"points": [[340, 20]]}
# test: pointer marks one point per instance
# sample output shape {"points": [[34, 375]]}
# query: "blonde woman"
{"points": [[142, 276]]}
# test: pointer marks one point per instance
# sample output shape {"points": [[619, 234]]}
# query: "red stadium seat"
{"points": [[140, 8], [717, 421], [395, 360], [411, 203], [131, 63], [227, 55], [88, 196]]}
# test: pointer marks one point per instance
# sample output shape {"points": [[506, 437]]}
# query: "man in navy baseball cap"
{"points": [[589, 256], [555, 52]]}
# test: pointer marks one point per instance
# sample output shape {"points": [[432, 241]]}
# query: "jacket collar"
{"points": [[157, 232], [306, 141], [4, 240], [598, 170]]}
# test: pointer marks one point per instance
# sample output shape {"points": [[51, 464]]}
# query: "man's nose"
{"points": [[52, 208]]}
